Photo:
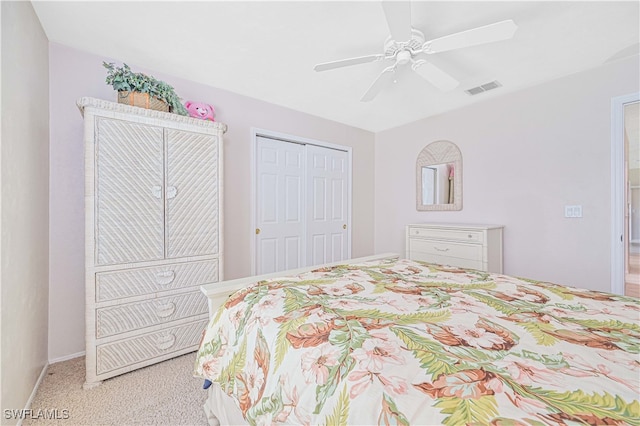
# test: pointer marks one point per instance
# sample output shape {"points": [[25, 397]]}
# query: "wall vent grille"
{"points": [[484, 87]]}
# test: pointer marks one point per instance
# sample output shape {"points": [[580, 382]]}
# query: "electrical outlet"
{"points": [[573, 211]]}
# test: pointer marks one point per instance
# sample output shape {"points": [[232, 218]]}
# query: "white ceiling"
{"points": [[267, 50]]}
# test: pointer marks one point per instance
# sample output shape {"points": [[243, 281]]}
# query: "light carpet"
{"points": [[161, 394]]}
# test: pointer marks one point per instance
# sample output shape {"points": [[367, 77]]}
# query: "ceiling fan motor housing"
{"points": [[393, 47]]}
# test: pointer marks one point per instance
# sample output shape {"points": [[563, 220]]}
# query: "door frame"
{"points": [[257, 132], [617, 190]]}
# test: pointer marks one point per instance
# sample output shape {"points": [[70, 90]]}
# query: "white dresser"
{"points": [[463, 245], [153, 233]]}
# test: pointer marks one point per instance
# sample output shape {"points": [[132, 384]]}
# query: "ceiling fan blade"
{"points": [[435, 75], [347, 62], [502, 30], [383, 79], [398, 14]]}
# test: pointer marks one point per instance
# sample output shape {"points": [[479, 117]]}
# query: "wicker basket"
{"points": [[142, 100]]}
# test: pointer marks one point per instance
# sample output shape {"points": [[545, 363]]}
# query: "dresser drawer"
{"points": [[450, 261], [133, 316], [135, 282], [144, 348], [448, 234], [446, 248]]}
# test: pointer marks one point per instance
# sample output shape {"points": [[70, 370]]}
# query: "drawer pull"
{"points": [[167, 310], [470, 236], [165, 277], [439, 249], [165, 342]]}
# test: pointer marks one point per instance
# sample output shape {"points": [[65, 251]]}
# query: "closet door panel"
{"points": [[128, 203], [327, 192], [192, 194], [280, 174]]}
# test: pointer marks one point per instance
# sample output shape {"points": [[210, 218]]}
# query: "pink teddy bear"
{"points": [[200, 110]]}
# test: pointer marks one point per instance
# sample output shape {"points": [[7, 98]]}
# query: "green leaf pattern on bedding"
{"points": [[403, 342]]}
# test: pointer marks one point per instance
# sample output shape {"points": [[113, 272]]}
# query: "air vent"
{"points": [[484, 87]]}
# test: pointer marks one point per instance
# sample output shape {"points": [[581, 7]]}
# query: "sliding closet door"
{"points": [[302, 205], [280, 205], [327, 194]]}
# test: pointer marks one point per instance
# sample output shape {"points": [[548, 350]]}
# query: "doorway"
{"points": [[301, 202], [625, 166]]}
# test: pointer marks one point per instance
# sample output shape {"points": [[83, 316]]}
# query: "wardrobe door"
{"points": [[129, 207], [192, 194]]}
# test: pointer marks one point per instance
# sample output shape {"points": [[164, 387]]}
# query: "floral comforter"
{"points": [[403, 342]]}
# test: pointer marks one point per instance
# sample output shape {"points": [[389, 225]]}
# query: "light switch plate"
{"points": [[573, 211]]}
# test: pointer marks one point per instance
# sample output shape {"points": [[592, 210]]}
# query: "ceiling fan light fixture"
{"points": [[403, 57]]}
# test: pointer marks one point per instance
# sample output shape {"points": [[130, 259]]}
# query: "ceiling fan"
{"points": [[406, 44]]}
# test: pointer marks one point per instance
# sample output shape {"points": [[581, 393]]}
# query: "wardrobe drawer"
{"points": [[135, 282], [446, 248], [133, 316], [143, 348], [448, 234]]}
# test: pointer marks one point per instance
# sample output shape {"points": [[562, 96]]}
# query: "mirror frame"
{"points": [[440, 152]]}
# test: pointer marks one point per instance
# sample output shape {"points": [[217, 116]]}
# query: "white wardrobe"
{"points": [[153, 233]]}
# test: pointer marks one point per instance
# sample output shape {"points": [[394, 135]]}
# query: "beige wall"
{"points": [[525, 156], [25, 195], [75, 74]]}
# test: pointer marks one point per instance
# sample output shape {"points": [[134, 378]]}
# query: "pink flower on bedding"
{"points": [[588, 369], [626, 359], [291, 400], [315, 363], [363, 379], [254, 379], [336, 289], [391, 300], [394, 384], [265, 310], [578, 366], [345, 304], [527, 372], [476, 337], [210, 366], [463, 306], [376, 352], [236, 314], [420, 300], [320, 312]]}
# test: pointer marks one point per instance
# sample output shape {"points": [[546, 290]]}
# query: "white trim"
{"points": [[255, 132], [34, 391], [67, 357], [617, 189]]}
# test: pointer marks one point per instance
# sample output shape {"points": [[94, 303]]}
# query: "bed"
{"points": [[383, 340]]}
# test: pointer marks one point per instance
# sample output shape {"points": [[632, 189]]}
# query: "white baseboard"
{"points": [[67, 357], [33, 393]]}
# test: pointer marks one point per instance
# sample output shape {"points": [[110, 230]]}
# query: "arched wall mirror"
{"points": [[439, 177]]}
